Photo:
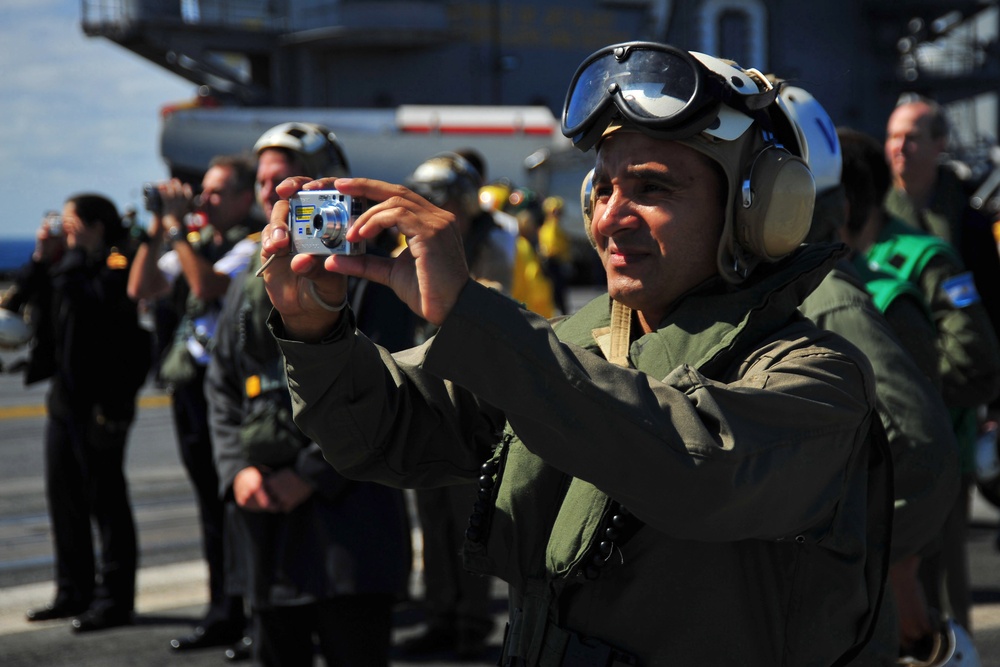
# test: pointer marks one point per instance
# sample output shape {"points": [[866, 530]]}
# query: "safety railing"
{"points": [[209, 13]]}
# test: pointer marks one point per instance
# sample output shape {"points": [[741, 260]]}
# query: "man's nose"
{"points": [[267, 193], [616, 214]]}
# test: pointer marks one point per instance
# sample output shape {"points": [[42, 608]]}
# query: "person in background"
{"points": [[932, 236], [684, 471], [457, 603], [88, 342], [193, 267], [555, 250], [494, 197], [322, 559], [930, 193], [917, 426], [532, 283]]}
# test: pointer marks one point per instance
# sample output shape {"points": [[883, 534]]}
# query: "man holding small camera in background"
{"points": [[87, 342], [193, 269], [321, 559]]}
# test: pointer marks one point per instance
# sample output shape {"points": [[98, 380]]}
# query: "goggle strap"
{"points": [[744, 102], [763, 120], [748, 104]]}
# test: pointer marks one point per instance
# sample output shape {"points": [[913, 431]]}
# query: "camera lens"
{"points": [[331, 224]]}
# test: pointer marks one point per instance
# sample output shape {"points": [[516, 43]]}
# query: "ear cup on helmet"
{"points": [[775, 206], [587, 205]]}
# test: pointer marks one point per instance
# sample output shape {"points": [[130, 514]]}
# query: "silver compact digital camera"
{"points": [[318, 221], [54, 223]]}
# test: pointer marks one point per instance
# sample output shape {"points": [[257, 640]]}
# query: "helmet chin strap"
{"points": [[621, 333], [614, 340]]}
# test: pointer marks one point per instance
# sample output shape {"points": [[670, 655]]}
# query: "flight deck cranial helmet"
{"points": [[817, 136], [448, 178], [493, 196], [316, 146], [951, 646], [731, 115], [821, 151]]}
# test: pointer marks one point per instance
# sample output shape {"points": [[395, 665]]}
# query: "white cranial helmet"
{"points": [[316, 146], [952, 647], [817, 136]]}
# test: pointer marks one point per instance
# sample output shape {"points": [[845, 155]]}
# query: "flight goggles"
{"points": [[667, 92]]}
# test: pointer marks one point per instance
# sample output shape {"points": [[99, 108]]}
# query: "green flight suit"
{"points": [[736, 454]]}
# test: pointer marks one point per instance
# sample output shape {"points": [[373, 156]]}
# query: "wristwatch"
{"points": [[175, 234]]}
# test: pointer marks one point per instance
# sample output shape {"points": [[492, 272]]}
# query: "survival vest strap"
{"points": [[885, 288], [905, 255]]}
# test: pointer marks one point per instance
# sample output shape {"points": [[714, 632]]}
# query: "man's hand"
{"points": [[914, 619], [251, 493], [276, 492], [287, 489], [288, 277], [428, 276], [431, 272], [49, 247], [79, 235], [178, 201], [176, 198]]}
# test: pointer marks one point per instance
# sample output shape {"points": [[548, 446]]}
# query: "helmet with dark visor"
{"points": [[661, 90]]}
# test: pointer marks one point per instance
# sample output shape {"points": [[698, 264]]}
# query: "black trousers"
{"points": [[190, 410], [454, 598], [85, 480], [349, 630]]}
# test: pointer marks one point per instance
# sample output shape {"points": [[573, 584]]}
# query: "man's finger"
{"points": [[371, 267], [290, 186], [371, 189]]}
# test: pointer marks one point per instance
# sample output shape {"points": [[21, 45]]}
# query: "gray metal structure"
{"points": [[856, 56]]}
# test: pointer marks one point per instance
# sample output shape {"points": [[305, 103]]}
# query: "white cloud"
{"points": [[77, 113]]}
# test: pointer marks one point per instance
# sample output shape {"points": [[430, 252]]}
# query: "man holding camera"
{"points": [[88, 344], [193, 268], [685, 471], [323, 559]]}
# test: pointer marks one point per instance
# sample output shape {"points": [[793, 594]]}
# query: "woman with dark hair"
{"points": [[88, 343]]}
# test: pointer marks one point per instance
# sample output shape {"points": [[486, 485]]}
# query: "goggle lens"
{"points": [[653, 85]]}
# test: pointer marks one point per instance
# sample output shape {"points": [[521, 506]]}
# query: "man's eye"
{"points": [[654, 186]]}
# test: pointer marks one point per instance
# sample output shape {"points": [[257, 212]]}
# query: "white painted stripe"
{"points": [[158, 589]]}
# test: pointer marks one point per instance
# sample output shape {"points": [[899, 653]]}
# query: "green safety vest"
{"points": [[907, 252], [885, 288], [902, 257]]}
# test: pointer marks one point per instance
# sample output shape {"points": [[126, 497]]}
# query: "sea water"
{"points": [[14, 252]]}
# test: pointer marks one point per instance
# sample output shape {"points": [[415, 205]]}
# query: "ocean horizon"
{"points": [[15, 252]]}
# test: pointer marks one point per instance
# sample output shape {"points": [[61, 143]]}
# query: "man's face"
{"points": [[658, 217], [909, 148], [224, 205], [273, 167]]}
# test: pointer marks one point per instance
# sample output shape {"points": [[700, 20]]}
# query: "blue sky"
{"points": [[77, 114]]}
